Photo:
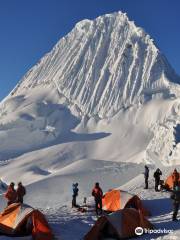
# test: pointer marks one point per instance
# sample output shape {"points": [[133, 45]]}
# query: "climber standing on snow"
{"points": [[97, 193], [146, 176], [157, 176], [21, 191], [74, 194], [175, 196], [175, 177], [11, 194]]}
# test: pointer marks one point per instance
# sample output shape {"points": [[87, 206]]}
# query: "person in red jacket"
{"points": [[11, 194], [21, 191], [97, 193]]}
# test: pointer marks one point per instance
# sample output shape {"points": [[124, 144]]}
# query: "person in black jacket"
{"points": [[175, 196], [157, 175], [21, 191], [146, 176]]}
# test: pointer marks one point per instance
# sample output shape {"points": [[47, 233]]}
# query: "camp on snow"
{"points": [[22, 220], [115, 200], [118, 225]]}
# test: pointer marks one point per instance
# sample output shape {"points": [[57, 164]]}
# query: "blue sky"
{"points": [[30, 28]]}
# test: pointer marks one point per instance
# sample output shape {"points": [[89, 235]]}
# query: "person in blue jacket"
{"points": [[75, 191]]}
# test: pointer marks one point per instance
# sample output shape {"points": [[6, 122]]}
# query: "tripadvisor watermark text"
{"points": [[139, 231]]}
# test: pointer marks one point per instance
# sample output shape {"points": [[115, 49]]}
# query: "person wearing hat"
{"points": [[21, 191], [11, 194]]}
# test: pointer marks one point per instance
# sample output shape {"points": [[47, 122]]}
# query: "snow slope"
{"points": [[67, 223], [100, 105]]}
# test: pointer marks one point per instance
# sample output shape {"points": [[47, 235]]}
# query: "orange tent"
{"points": [[169, 183], [117, 199], [118, 225], [21, 220]]}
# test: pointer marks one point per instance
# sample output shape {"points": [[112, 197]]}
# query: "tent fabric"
{"points": [[12, 216], [169, 182], [18, 218], [115, 200], [41, 228], [118, 225]]}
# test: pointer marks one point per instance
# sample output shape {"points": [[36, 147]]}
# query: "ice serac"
{"points": [[104, 65]]}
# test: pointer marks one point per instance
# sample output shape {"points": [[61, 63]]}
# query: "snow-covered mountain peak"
{"points": [[103, 97], [83, 23], [103, 65]]}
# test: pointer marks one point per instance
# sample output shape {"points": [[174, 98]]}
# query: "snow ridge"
{"points": [[103, 65]]}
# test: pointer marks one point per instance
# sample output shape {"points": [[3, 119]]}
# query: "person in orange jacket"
{"points": [[11, 194], [21, 191], [97, 193], [175, 177]]}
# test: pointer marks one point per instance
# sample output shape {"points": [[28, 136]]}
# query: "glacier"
{"points": [[104, 96], [101, 104]]}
